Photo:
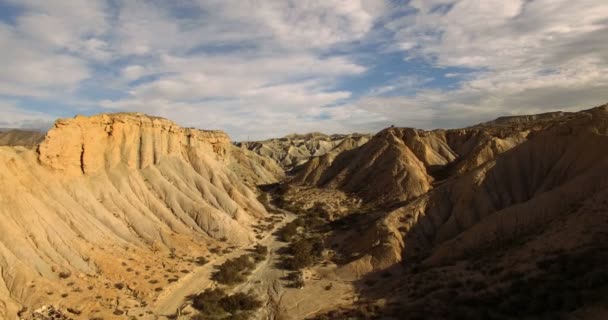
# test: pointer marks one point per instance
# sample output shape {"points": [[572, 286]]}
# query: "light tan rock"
{"points": [[138, 186]]}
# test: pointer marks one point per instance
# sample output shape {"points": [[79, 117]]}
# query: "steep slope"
{"points": [[295, 149], [511, 192], [310, 172], [110, 188], [399, 164], [17, 137], [513, 224], [253, 169]]}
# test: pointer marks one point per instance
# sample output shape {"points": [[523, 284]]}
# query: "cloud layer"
{"points": [[267, 68]]}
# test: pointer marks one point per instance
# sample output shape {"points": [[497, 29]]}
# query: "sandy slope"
{"points": [[104, 196], [444, 194]]}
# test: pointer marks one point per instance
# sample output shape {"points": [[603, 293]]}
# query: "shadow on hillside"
{"points": [[485, 282]]}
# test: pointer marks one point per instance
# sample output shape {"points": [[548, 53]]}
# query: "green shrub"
{"points": [[288, 232], [215, 304], [240, 301], [259, 253], [304, 253], [200, 261], [208, 302], [234, 270]]}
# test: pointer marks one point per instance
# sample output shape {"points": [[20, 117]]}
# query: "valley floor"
{"points": [[174, 300], [267, 282]]}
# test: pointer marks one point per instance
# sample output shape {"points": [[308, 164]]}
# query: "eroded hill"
{"points": [[110, 207], [296, 149], [125, 215], [507, 210]]}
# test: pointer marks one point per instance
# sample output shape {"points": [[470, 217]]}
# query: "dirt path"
{"points": [[286, 303], [264, 280]]}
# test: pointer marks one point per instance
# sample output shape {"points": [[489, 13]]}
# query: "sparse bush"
{"points": [[233, 271], [304, 253], [215, 303], [261, 250], [201, 261], [259, 253], [288, 232], [239, 301]]}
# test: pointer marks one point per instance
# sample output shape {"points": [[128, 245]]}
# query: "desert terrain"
{"points": [[128, 216]]}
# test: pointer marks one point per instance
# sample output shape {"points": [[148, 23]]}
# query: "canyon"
{"points": [[131, 216]]}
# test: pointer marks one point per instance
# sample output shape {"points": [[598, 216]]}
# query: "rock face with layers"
{"points": [[87, 145], [123, 185]]}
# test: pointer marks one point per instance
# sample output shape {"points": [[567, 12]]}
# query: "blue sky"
{"points": [[260, 69]]}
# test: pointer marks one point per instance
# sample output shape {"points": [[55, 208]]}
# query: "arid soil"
{"points": [[126, 216]]}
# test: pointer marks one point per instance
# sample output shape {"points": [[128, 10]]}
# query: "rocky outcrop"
{"points": [[87, 145]]}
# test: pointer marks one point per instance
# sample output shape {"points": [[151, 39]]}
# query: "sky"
{"points": [[261, 69]]}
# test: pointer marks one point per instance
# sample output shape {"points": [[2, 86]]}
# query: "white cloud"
{"points": [[298, 24], [13, 116], [271, 67], [530, 56], [33, 70], [133, 72]]}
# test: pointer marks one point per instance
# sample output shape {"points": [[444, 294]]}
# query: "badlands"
{"points": [[128, 216]]}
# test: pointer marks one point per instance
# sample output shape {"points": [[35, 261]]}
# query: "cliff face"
{"points": [[87, 145], [118, 186]]}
